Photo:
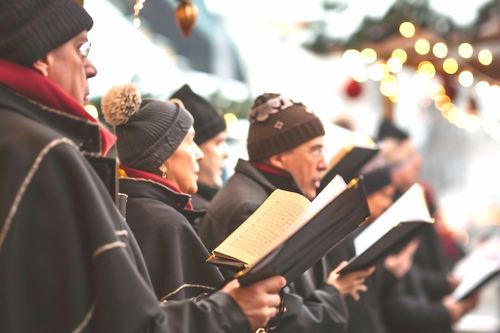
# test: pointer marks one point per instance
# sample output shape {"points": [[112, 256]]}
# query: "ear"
{"points": [[42, 65], [278, 160], [163, 168]]}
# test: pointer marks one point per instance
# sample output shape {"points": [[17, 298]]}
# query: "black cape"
{"points": [[68, 261]]}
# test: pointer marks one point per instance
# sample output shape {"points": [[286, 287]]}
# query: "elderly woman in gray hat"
{"points": [[157, 152]]}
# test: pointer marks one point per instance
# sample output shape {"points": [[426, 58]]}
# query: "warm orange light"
{"points": [[466, 78], [450, 66], [427, 68], [394, 65], [440, 50], [422, 46], [407, 29], [465, 50], [485, 57], [368, 55]]}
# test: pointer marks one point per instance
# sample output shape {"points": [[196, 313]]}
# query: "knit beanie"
{"points": [[388, 130], [377, 179], [29, 29], [278, 124], [148, 131], [207, 121], [376, 174]]}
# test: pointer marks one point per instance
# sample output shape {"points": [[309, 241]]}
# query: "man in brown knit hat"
{"points": [[68, 260], [286, 151]]}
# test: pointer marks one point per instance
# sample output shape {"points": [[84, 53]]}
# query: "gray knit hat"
{"points": [[148, 131], [29, 29], [278, 124]]}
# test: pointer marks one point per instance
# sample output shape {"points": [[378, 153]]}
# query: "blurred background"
{"points": [[432, 67]]}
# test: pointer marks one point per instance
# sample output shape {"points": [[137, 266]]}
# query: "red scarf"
{"points": [[37, 87], [272, 169], [138, 174]]}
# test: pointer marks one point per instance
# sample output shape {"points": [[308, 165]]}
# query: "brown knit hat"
{"points": [[29, 29], [149, 131], [278, 124]]}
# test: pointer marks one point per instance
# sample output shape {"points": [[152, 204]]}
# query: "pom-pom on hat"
{"points": [[207, 121], [29, 29], [148, 131], [278, 124]]}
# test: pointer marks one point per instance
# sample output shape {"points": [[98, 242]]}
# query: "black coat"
{"points": [[409, 309], [365, 314], [311, 304], [68, 261], [174, 254], [203, 196]]}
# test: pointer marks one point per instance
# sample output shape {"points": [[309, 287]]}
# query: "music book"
{"points": [[478, 267], [391, 230], [478, 275], [349, 151], [288, 233]]}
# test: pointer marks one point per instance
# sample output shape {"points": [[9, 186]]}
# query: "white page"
{"points": [[411, 206], [477, 272]]}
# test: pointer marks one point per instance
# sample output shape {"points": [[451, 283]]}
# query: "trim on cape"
{"points": [[122, 233], [86, 320], [187, 285], [106, 247], [27, 181]]}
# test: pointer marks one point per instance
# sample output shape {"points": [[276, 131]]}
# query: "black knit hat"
{"points": [[207, 121], [278, 124], [377, 179], [29, 29], [148, 131], [388, 130]]}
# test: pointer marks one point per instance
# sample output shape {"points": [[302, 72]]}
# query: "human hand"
{"points": [[458, 309], [259, 301], [453, 281], [350, 283], [399, 264]]}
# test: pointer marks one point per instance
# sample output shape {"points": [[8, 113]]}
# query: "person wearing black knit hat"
{"points": [[157, 152], [210, 129], [379, 191], [286, 151], [68, 260]]}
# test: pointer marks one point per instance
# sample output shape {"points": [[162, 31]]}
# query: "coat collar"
{"points": [[146, 188], [206, 192], [270, 177], [84, 133], [51, 100]]}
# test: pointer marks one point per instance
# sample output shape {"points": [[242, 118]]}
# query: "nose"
{"points": [[90, 70], [225, 153], [322, 165], [198, 153]]}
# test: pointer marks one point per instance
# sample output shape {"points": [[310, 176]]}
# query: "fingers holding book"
{"points": [[350, 283], [259, 301]]}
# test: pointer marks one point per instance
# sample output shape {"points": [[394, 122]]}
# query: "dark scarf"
{"points": [[38, 88], [138, 174]]}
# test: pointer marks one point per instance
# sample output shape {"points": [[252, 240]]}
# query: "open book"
{"points": [[392, 230], [477, 268], [288, 234], [349, 151], [478, 275]]}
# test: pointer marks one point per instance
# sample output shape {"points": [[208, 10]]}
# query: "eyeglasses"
{"points": [[316, 151], [85, 49]]}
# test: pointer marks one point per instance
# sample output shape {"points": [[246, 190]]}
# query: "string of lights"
{"points": [[366, 65]]}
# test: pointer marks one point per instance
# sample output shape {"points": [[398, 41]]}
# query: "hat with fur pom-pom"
{"points": [[148, 131]]}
